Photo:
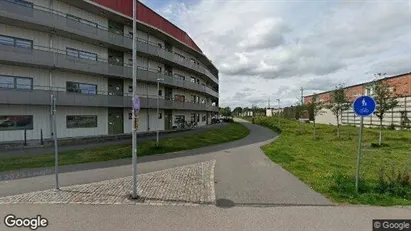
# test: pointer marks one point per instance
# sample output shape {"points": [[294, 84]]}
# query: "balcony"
{"points": [[41, 95], [52, 19], [155, 51], [53, 58], [47, 19]]}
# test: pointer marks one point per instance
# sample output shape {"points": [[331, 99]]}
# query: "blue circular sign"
{"points": [[364, 106]]}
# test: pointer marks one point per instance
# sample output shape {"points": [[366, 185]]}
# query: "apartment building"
{"points": [[400, 116], [81, 52]]}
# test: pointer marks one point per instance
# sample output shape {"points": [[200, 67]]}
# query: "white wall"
{"points": [[62, 43], [143, 120], [69, 9], [39, 38], [40, 76], [60, 78], [63, 131], [41, 117]]}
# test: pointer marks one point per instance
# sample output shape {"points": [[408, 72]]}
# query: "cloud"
{"points": [[276, 47]]}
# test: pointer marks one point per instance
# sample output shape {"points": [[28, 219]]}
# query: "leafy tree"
{"points": [[315, 108], [384, 98], [237, 111], [226, 111], [337, 104]]}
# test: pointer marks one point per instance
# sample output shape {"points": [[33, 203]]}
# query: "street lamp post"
{"points": [[158, 111], [134, 125]]}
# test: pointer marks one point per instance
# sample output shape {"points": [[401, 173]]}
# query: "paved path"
{"points": [[243, 174], [251, 193], [94, 144]]}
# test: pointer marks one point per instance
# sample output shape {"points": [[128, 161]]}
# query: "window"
{"points": [[180, 77], [193, 80], [130, 115], [15, 82], [16, 122], [160, 45], [193, 117], [198, 117], [160, 92], [81, 88], [180, 98], [180, 55], [204, 118], [130, 88], [86, 121], [78, 19], [159, 69], [81, 54], [16, 42], [22, 3], [179, 119], [160, 116], [193, 60], [198, 81]]}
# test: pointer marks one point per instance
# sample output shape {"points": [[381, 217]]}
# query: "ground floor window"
{"points": [[179, 119], [83, 121], [204, 118], [16, 122]]}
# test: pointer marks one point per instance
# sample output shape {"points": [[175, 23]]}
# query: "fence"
{"points": [[398, 117]]}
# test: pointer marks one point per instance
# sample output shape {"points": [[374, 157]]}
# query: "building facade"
{"points": [[400, 116], [81, 52]]}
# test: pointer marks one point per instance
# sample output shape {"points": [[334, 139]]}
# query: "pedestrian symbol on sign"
{"points": [[364, 104]]}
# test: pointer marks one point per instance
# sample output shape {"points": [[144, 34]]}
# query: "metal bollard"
{"points": [[41, 137]]}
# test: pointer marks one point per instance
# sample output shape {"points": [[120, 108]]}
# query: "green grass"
{"points": [[232, 131], [328, 164]]}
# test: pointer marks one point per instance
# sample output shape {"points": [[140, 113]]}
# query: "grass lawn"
{"points": [[232, 131], [328, 164]]}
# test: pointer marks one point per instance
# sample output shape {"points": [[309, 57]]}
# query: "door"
{"points": [[115, 57], [116, 27], [115, 121], [168, 119], [115, 87], [168, 94]]}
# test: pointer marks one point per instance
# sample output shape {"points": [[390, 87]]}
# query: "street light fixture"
{"points": [[158, 110]]}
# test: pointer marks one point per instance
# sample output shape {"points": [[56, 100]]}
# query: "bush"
{"points": [[394, 182], [228, 120], [391, 127]]}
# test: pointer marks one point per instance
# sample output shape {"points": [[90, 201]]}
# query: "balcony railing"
{"points": [[54, 19], [56, 58], [40, 95]]}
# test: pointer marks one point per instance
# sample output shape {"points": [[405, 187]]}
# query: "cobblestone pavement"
{"points": [[186, 185]]}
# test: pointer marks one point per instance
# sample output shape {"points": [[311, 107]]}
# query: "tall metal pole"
{"points": [[56, 153], [134, 129], [158, 111], [357, 177]]}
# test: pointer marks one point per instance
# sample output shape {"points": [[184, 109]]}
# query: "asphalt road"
{"points": [[115, 217]]}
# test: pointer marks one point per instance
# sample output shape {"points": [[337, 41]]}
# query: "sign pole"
{"points": [[134, 127], [363, 106], [357, 177]]}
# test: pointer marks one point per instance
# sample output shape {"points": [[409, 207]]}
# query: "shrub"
{"points": [[394, 182]]}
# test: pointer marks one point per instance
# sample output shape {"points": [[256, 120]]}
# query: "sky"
{"points": [[269, 49]]}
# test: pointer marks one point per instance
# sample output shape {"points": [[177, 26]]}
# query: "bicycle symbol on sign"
{"points": [[364, 110]]}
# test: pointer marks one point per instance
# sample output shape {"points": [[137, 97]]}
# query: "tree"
{"points": [[384, 98], [237, 111], [226, 111], [337, 104], [315, 108]]}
